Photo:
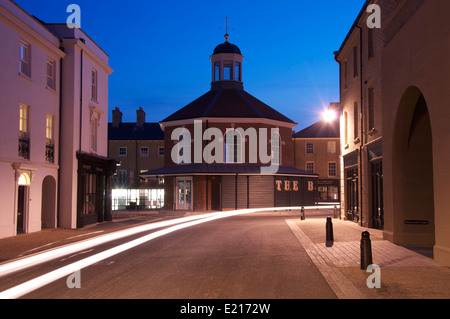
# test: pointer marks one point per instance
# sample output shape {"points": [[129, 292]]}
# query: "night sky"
{"points": [[160, 50]]}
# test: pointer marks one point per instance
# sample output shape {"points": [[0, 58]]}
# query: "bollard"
{"points": [[335, 212], [302, 214], [366, 250], [329, 229]]}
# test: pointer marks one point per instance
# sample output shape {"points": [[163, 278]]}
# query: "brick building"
{"points": [[396, 175], [228, 150], [138, 148], [317, 150], [361, 123]]}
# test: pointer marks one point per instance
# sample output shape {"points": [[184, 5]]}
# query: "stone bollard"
{"points": [[366, 250], [329, 229]]}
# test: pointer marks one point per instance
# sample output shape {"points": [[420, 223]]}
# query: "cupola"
{"points": [[226, 64]]}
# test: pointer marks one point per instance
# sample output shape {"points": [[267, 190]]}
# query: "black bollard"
{"points": [[302, 214], [366, 250], [329, 229], [335, 212]]}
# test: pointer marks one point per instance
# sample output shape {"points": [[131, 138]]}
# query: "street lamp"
{"points": [[329, 115]]}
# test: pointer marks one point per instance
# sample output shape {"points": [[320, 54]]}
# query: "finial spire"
{"points": [[226, 30]]}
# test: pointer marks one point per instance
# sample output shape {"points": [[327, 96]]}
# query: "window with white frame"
{"points": [[310, 167], [49, 128], [24, 140], [144, 151], [309, 148], [51, 74], [331, 147], [94, 85], [233, 147], [237, 71], [122, 151], [276, 148], [332, 169], [23, 120], [217, 71], [227, 69], [25, 59]]}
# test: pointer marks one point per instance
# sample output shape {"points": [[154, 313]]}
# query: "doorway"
{"points": [[184, 193], [377, 194], [21, 208], [352, 194], [48, 206]]}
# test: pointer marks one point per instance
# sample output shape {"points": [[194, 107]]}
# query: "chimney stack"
{"points": [[117, 117], [140, 114]]}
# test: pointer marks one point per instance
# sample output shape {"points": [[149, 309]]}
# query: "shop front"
{"points": [[94, 189]]}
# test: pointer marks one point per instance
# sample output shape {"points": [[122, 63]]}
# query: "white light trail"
{"points": [[36, 283], [14, 266]]}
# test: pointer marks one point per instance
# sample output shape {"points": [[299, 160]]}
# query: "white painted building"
{"points": [[53, 123]]}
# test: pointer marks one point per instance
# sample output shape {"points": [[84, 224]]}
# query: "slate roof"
{"points": [[220, 169], [227, 103], [320, 129], [130, 131]]}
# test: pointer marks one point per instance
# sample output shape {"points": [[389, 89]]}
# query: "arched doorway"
{"points": [[413, 172], [48, 208], [23, 191]]}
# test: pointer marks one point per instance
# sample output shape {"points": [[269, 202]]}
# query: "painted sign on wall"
{"points": [[292, 186]]}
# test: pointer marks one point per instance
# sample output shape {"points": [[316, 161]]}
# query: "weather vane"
{"points": [[226, 29]]}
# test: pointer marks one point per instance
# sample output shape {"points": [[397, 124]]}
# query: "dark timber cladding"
{"points": [[240, 192]]}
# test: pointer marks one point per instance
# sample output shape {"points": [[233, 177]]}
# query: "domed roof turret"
{"points": [[227, 47]]}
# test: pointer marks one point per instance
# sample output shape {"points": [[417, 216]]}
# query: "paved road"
{"points": [[241, 257]]}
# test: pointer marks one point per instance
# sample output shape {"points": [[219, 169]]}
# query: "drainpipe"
{"points": [[81, 99], [340, 108], [361, 123], [58, 195]]}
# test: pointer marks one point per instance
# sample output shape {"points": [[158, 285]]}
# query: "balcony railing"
{"points": [[50, 153], [24, 147]]}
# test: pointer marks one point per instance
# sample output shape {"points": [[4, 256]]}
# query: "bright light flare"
{"points": [[329, 115]]}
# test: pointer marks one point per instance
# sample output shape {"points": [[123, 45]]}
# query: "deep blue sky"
{"points": [[160, 49]]}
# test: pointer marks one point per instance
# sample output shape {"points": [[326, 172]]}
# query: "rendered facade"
{"points": [[54, 102]]}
